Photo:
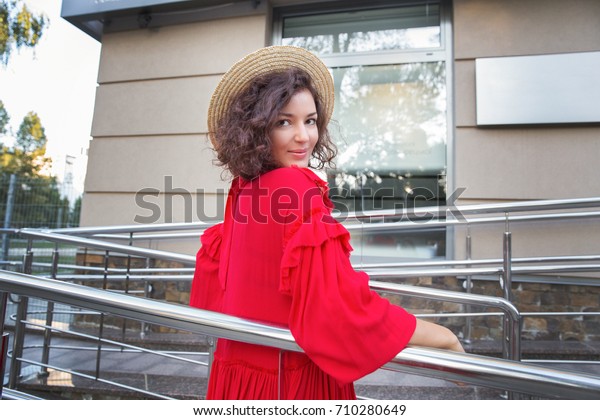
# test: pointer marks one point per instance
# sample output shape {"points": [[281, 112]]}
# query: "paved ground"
{"points": [[187, 379]]}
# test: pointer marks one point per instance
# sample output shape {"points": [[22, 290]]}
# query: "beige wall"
{"points": [[154, 87], [517, 162], [522, 163], [149, 127]]}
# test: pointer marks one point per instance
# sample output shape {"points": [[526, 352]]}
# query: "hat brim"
{"points": [[263, 61]]}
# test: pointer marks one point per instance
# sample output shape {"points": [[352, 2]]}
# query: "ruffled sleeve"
{"points": [[206, 291], [343, 326]]}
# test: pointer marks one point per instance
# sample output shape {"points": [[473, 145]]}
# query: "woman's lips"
{"points": [[299, 153]]}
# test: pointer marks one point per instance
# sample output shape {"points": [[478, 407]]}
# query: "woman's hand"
{"points": [[428, 334]]}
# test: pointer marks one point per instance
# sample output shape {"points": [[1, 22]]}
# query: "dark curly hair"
{"points": [[242, 135]]}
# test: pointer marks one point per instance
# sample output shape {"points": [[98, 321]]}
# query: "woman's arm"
{"points": [[428, 334]]}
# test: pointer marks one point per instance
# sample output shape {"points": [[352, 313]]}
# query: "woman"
{"points": [[279, 257]]}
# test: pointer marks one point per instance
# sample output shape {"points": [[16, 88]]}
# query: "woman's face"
{"points": [[295, 133]]}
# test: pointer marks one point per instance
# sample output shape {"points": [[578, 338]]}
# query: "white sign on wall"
{"points": [[543, 89]]}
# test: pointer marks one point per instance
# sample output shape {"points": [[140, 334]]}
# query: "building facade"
{"points": [[435, 102]]}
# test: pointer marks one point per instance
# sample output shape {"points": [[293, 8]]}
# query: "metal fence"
{"points": [[37, 202], [34, 202]]}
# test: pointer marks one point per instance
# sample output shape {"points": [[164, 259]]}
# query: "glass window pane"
{"points": [[392, 118], [392, 151], [397, 28], [392, 135]]}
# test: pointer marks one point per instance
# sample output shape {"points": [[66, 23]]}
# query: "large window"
{"points": [[382, 29], [390, 73]]}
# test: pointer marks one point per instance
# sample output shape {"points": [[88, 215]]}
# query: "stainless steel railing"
{"points": [[512, 333], [502, 269], [438, 217], [511, 342], [478, 370], [108, 246]]}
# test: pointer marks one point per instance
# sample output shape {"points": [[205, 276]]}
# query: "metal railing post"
{"points": [[18, 342], [126, 287], [147, 291], [3, 356], [469, 285], [101, 326], [4, 342], [19, 337], [28, 257], [3, 307], [49, 316], [507, 262], [212, 343], [510, 329], [511, 346]]}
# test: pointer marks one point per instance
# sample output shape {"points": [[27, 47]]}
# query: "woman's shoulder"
{"points": [[293, 177], [299, 185]]}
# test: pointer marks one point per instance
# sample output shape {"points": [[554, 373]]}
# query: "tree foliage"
{"points": [[31, 136], [37, 203], [28, 156], [4, 120], [37, 199], [19, 28]]}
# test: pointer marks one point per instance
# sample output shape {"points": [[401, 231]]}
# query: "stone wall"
{"points": [[527, 297]]}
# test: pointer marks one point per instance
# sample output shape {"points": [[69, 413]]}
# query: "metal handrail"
{"points": [[520, 206], [486, 261], [505, 306], [13, 394], [466, 271], [512, 342], [109, 246], [358, 266], [512, 338], [443, 223], [435, 222], [468, 368], [472, 267], [436, 211], [190, 260], [155, 227]]}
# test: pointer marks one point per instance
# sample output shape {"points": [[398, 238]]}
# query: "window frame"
{"points": [[442, 53]]}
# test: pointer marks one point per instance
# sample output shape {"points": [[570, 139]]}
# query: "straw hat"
{"points": [[266, 60]]}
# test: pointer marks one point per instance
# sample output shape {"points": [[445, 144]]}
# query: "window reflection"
{"points": [[391, 118], [398, 28]]}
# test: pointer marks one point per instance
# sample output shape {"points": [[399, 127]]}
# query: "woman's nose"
{"points": [[301, 133]]}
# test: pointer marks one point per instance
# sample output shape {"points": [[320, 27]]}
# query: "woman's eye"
{"points": [[311, 121], [282, 123]]}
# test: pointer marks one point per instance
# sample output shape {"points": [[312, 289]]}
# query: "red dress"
{"points": [[279, 257]]}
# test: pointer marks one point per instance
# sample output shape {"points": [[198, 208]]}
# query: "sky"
{"points": [[57, 80]]}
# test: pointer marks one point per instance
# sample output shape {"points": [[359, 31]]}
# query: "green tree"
{"points": [[31, 136], [75, 213], [27, 157], [4, 120], [19, 27], [38, 201]]}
